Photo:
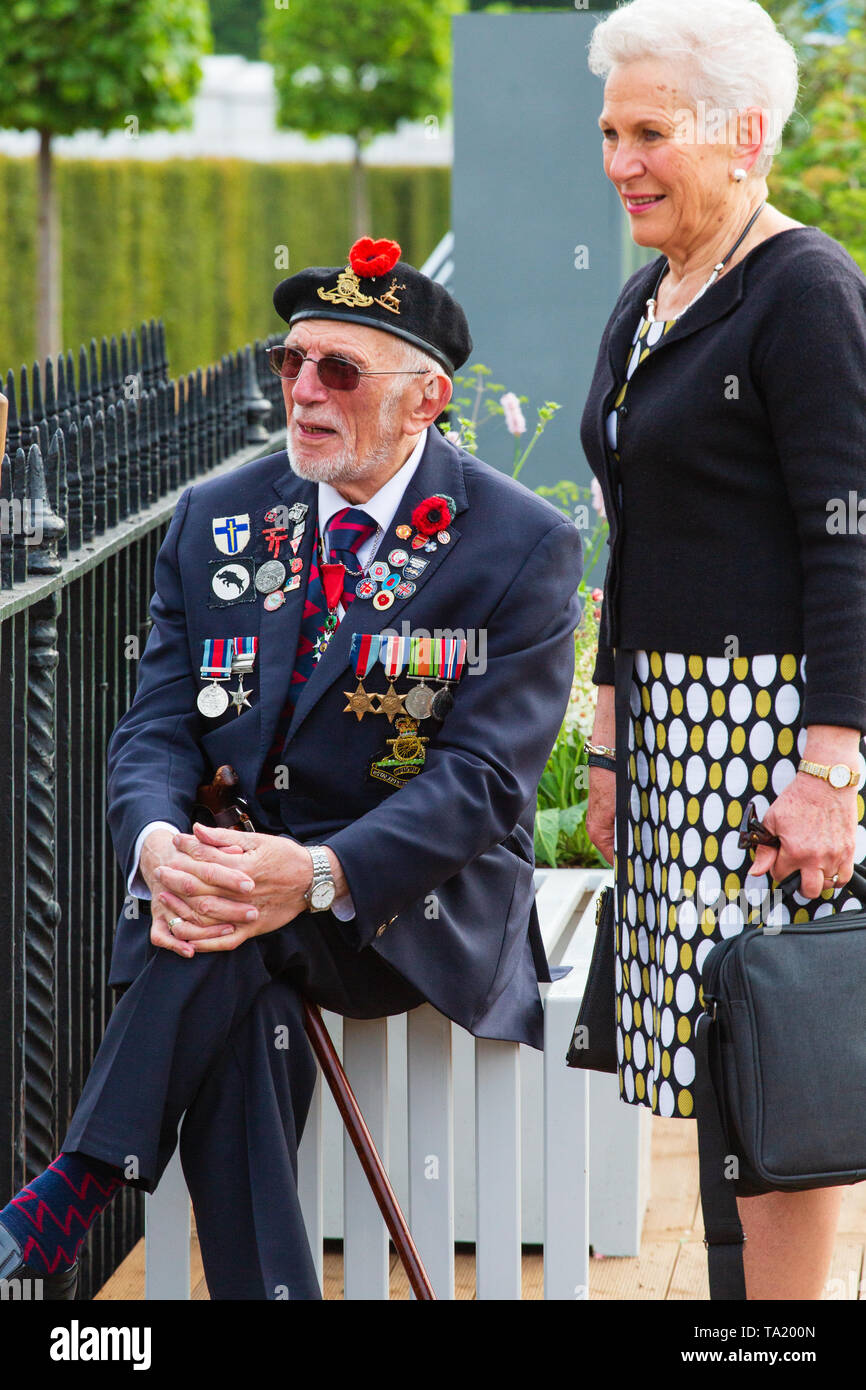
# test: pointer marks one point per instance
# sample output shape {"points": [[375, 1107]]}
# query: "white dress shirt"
{"points": [[381, 507]]}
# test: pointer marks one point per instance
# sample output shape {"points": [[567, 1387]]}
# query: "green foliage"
{"points": [[477, 400], [351, 67], [819, 174], [561, 840], [192, 241], [69, 66], [235, 25]]}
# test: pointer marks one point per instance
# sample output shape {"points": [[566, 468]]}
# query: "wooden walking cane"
{"points": [[227, 809]]}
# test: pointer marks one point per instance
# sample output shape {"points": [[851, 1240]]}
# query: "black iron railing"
{"points": [[95, 462]]}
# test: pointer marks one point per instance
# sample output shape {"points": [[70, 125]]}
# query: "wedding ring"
{"points": [[173, 922], [835, 878]]}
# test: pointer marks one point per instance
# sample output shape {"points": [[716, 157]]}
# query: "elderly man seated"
{"points": [[375, 629]]}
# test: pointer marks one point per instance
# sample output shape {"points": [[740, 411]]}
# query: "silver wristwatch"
{"points": [[322, 890]]}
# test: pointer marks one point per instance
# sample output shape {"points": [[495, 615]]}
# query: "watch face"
{"points": [[322, 896], [839, 775]]}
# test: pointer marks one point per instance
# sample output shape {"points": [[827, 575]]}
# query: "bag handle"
{"points": [[723, 1231]]}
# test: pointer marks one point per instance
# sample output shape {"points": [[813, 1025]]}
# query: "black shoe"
{"points": [[54, 1287]]}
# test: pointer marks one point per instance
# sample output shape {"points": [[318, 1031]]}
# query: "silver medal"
{"points": [[419, 702], [213, 701], [269, 576]]}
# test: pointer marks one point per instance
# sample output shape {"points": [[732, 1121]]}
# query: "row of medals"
{"points": [[379, 583], [271, 579], [382, 584]]}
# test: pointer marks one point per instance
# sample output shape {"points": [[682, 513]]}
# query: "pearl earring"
{"points": [[739, 175]]}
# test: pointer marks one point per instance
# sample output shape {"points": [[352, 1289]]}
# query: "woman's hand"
{"points": [[816, 824], [601, 805]]}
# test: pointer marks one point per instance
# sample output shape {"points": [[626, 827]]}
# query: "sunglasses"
{"points": [[753, 832], [337, 373]]}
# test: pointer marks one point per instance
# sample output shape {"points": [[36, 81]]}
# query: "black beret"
{"points": [[379, 290]]}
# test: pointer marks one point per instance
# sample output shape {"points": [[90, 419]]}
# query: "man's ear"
{"points": [[434, 398]]}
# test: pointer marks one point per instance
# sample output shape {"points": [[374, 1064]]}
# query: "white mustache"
{"points": [[315, 424]]}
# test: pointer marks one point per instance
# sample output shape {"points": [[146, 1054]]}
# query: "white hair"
{"points": [[413, 359], [732, 54]]}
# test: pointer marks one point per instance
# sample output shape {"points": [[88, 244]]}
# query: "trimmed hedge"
{"points": [[193, 241]]}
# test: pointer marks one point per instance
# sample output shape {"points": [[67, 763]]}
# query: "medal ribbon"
{"points": [[365, 652], [395, 655], [332, 583], [245, 649], [421, 658], [452, 658], [217, 658]]}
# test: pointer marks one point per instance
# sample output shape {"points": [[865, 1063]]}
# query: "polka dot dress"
{"points": [[705, 735]]}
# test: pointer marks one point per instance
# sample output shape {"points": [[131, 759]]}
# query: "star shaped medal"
{"points": [[240, 697], [364, 651], [393, 654]]}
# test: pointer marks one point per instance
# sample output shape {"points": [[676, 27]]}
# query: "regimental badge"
{"points": [[231, 533], [389, 299], [407, 756], [231, 582], [347, 291]]}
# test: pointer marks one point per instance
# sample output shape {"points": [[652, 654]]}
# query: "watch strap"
{"points": [[321, 872], [823, 770]]}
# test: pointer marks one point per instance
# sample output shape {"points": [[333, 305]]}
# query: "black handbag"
{"points": [[593, 1043], [780, 1083]]}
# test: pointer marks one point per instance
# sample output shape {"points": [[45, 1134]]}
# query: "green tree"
{"points": [[235, 26], [353, 67], [819, 174], [109, 64]]}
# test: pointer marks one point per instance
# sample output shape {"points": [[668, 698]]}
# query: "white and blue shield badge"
{"points": [[231, 533]]}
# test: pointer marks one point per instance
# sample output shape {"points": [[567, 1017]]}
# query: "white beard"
{"points": [[345, 466]]}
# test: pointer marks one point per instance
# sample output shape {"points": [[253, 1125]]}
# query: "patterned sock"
{"points": [[51, 1215]]}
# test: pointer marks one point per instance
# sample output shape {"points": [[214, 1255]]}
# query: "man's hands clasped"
{"points": [[218, 887]]}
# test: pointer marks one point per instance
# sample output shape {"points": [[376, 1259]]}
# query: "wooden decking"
{"points": [[671, 1265]]}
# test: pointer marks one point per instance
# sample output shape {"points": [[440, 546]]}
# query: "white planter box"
{"points": [[619, 1133]]}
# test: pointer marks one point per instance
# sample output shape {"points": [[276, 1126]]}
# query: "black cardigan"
{"points": [[735, 435]]}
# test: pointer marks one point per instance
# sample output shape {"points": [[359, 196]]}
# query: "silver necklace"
{"points": [[377, 537], [714, 275]]}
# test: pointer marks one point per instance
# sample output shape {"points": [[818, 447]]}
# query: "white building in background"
{"points": [[234, 116]]}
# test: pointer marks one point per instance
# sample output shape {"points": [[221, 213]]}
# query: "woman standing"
{"points": [[726, 424]]}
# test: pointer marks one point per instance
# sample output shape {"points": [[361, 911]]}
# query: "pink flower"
{"points": [[598, 498], [453, 437], [596, 595], [514, 421]]}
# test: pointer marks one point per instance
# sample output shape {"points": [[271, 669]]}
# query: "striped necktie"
{"points": [[344, 534]]}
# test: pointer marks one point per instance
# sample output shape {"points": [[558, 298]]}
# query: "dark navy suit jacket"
{"points": [[462, 829]]}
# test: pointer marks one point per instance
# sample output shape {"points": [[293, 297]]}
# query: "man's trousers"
{"points": [[219, 1039]]}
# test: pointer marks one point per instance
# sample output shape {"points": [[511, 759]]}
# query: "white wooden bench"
{"points": [[403, 1072]]}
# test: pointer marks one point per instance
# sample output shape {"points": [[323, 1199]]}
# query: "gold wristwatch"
{"points": [[840, 775]]}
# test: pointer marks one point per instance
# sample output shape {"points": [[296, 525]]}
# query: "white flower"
{"points": [[514, 421]]}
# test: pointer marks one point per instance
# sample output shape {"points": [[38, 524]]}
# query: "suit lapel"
{"points": [[439, 471]]}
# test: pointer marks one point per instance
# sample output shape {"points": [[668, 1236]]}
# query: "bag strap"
{"points": [[723, 1230]]}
